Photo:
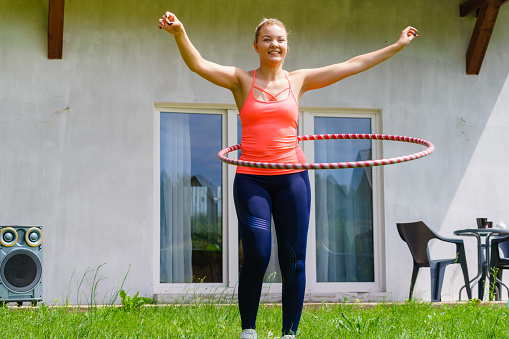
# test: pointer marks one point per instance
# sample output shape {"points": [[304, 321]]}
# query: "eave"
{"points": [[487, 12]]}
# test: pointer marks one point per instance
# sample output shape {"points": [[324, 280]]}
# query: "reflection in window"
{"points": [[191, 198], [344, 204]]}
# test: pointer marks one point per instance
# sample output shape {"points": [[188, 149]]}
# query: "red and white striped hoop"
{"points": [[335, 165]]}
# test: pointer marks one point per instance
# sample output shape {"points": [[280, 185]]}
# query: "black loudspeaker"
{"points": [[20, 264]]}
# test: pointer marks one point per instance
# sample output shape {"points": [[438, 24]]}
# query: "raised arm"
{"points": [[328, 75], [224, 76]]}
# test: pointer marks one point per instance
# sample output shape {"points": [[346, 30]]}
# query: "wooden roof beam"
{"points": [[487, 12], [55, 29], [473, 5], [470, 6]]}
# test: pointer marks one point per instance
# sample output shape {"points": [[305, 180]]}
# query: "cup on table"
{"points": [[482, 222], [490, 224]]}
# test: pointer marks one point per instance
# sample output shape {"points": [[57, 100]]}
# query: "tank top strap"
{"points": [[273, 97]]}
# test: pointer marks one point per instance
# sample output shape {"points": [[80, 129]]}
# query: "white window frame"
{"points": [[230, 225], [164, 291]]}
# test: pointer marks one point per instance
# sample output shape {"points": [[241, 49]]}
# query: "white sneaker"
{"points": [[288, 336], [248, 334]]}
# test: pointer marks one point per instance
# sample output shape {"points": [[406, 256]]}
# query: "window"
{"points": [[344, 247], [191, 225], [197, 233], [343, 204]]}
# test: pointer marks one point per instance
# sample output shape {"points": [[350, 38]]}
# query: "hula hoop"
{"points": [[335, 165]]}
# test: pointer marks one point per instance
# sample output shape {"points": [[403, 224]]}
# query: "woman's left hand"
{"points": [[407, 35]]}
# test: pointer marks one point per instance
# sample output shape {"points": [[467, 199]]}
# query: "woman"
{"points": [[268, 99]]}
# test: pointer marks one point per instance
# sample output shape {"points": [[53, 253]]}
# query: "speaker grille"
{"points": [[20, 270]]}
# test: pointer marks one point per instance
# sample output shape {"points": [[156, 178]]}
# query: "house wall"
{"points": [[87, 176]]}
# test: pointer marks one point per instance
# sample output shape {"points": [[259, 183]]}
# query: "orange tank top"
{"points": [[269, 132]]}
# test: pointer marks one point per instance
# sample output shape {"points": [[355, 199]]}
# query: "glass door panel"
{"points": [[343, 204], [191, 198]]}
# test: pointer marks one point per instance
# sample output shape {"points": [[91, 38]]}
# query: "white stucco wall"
{"points": [[87, 176]]}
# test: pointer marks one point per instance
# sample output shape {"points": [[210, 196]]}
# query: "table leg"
{"points": [[496, 280], [482, 284], [499, 292], [480, 269]]}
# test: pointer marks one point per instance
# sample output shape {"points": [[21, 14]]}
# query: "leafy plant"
{"points": [[93, 287], [92, 301], [115, 292], [493, 284], [134, 303]]}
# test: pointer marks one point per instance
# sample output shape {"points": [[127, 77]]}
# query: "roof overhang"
{"points": [[487, 12]]}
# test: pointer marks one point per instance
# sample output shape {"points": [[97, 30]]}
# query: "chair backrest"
{"points": [[504, 246], [417, 235]]}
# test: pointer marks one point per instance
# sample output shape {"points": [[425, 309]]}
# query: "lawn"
{"points": [[209, 320]]}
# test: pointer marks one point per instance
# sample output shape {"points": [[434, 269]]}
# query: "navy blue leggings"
{"points": [[287, 197]]}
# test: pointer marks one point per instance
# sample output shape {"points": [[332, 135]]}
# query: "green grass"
{"points": [[208, 320]]}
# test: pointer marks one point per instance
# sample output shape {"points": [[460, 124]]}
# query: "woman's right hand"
{"points": [[224, 76], [170, 23]]}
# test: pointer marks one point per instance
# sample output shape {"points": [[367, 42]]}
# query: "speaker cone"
{"points": [[8, 236], [20, 270], [33, 237]]}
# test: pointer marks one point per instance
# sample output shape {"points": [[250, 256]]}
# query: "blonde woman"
{"points": [[268, 102]]}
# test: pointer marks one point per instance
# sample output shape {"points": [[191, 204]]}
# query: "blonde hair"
{"points": [[265, 22]]}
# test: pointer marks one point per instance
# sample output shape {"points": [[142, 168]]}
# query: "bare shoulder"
{"points": [[297, 79], [243, 73], [244, 81], [297, 75]]}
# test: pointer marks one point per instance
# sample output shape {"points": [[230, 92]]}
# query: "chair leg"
{"points": [[412, 282], [498, 296], [481, 285], [437, 271], [463, 263]]}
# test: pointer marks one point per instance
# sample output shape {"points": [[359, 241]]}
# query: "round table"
{"points": [[483, 254]]}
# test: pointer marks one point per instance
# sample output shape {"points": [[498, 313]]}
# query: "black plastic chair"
{"points": [[417, 235], [498, 263]]}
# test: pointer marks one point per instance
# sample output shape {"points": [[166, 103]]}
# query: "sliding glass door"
{"points": [[191, 224], [197, 231], [343, 204]]}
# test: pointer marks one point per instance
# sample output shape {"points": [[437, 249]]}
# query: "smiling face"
{"points": [[271, 43]]}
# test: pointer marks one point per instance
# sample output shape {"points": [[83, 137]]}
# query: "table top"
{"points": [[482, 231]]}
